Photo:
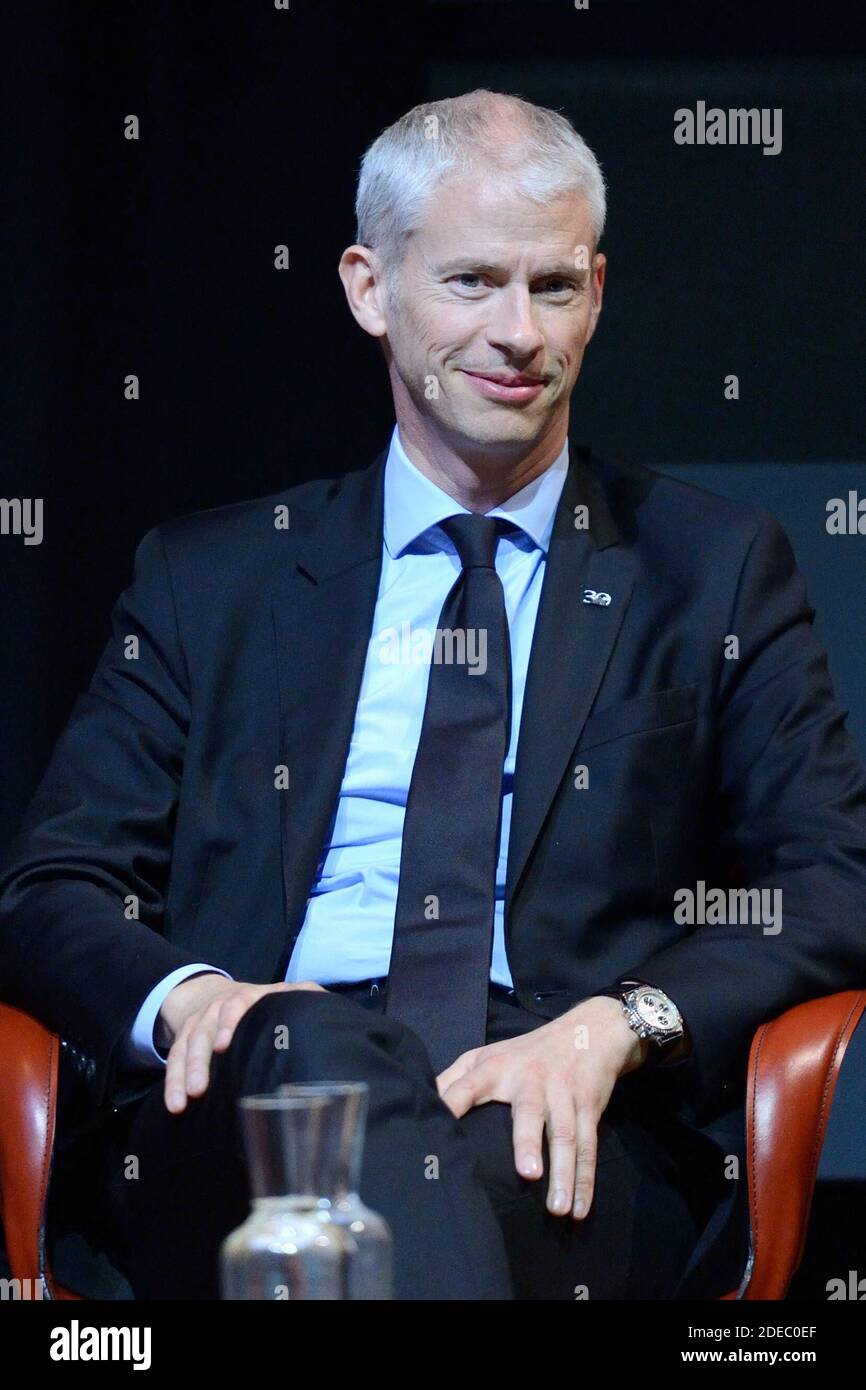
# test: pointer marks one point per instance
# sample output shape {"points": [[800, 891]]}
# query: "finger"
{"points": [[562, 1146], [174, 1089], [231, 1012], [459, 1067], [587, 1150], [527, 1131], [474, 1088], [200, 1048]]}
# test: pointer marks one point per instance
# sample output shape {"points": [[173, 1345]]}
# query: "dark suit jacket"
{"points": [[251, 645]]}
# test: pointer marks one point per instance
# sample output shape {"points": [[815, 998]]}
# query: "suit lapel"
{"points": [[323, 612], [571, 648]]}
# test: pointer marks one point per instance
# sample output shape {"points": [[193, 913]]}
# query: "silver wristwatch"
{"points": [[650, 1013]]}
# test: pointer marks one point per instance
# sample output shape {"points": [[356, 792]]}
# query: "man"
{"points": [[423, 764]]}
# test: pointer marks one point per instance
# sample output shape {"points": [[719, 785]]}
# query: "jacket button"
{"points": [[90, 1071]]}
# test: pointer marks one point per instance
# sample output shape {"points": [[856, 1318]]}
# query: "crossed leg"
{"points": [[466, 1227]]}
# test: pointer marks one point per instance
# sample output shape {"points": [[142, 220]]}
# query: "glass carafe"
{"points": [[370, 1263], [298, 1241]]}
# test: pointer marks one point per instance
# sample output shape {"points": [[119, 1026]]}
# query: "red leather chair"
{"points": [[28, 1105], [794, 1063]]}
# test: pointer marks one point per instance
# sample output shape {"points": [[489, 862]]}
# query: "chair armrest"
{"points": [[794, 1064], [28, 1102]]}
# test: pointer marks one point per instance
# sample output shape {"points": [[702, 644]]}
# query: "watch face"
{"points": [[656, 1010]]}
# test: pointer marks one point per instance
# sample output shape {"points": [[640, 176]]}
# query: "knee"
{"points": [[277, 1010], [302, 1036], [270, 1033]]}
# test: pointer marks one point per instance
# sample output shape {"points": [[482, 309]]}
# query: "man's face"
{"points": [[497, 298]]}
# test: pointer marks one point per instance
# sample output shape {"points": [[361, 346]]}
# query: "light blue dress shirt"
{"points": [[349, 923]]}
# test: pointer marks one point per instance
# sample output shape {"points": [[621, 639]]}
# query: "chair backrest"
{"points": [[794, 1064]]}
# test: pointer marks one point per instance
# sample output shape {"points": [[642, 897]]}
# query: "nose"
{"points": [[513, 325]]}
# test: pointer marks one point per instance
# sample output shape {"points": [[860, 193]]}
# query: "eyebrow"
{"points": [[469, 263]]}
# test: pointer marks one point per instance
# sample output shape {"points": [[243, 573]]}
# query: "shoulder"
{"points": [[656, 510], [251, 537]]}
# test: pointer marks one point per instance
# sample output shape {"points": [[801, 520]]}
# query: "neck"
{"points": [[480, 476]]}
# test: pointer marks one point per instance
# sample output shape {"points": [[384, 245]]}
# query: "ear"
{"points": [[599, 264], [363, 280]]}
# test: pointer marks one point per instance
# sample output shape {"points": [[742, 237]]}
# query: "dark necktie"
{"points": [[443, 930]]}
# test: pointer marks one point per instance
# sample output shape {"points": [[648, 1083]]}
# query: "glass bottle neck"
{"points": [[304, 1145]]}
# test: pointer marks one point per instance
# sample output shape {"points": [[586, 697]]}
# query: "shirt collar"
{"points": [[413, 503]]}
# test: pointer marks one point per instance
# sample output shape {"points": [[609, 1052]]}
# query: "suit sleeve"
{"points": [[82, 889], [791, 806]]}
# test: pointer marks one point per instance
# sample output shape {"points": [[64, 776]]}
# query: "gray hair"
{"points": [[535, 149]]}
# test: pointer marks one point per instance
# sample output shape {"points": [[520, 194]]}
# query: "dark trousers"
{"points": [[466, 1226]]}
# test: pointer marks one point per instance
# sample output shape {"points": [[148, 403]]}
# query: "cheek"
{"points": [[443, 327], [569, 343], [423, 331], [574, 355]]}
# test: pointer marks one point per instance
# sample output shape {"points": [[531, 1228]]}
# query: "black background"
{"points": [[155, 257]]}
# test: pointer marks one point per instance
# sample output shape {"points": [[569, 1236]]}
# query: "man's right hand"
{"points": [[198, 1018]]}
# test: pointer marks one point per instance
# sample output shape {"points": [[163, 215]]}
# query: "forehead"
{"points": [[495, 212]]}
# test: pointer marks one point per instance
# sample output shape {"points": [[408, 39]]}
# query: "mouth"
{"points": [[513, 387]]}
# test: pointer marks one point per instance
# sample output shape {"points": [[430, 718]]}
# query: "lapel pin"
{"points": [[598, 597]]}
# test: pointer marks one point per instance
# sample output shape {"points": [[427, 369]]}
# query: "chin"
{"points": [[504, 429]]}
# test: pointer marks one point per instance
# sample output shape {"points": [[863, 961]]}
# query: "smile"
{"points": [[495, 389]]}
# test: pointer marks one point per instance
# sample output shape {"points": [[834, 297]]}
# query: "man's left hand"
{"points": [[559, 1078]]}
